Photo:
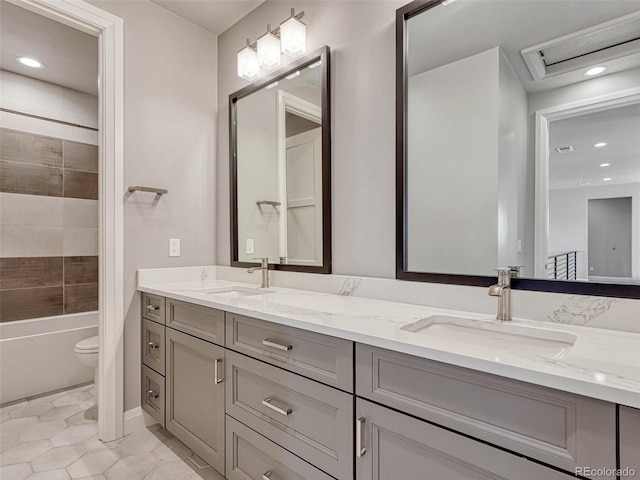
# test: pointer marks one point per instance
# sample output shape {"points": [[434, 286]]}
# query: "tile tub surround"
{"points": [[33, 287], [602, 364], [48, 226], [54, 436]]}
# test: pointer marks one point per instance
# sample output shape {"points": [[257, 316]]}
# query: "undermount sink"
{"points": [[234, 291], [501, 336]]}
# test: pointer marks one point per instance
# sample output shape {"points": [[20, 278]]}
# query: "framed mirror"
{"points": [[517, 143], [280, 148]]}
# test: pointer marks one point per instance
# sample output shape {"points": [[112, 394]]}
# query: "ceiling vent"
{"points": [[615, 44], [567, 149]]}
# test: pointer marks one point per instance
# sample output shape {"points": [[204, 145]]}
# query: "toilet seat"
{"points": [[88, 345]]}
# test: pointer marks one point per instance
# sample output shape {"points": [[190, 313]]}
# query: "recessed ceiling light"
{"points": [[605, 164], [582, 183], [600, 144], [595, 71], [607, 179], [30, 62]]}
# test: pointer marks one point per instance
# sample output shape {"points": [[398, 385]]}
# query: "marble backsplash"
{"points": [[598, 312]]}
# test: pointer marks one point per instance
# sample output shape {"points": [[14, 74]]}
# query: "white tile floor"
{"points": [[54, 437]]}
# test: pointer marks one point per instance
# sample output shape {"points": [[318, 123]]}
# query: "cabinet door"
{"points": [[393, 446], [195, 395], [630, 439]]}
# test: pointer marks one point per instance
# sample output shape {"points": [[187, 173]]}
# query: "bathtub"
{"points": [[36, 356]]}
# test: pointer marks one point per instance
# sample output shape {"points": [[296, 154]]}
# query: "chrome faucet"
{"points": [[502, 289], [264, 266]]}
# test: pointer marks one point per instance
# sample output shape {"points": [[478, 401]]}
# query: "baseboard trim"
{"points": [[137, 419]]}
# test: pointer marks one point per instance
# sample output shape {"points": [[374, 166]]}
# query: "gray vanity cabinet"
{"points": [[558, 428], [195, 395], [630, 439], [394, 446]]}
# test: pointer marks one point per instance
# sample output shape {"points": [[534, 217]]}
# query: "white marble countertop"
{"points": [[602, 364]]}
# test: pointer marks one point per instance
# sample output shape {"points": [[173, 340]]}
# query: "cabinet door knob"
{"points": [[153, 345], [286, 411], [152, 308], [267, 342], [360, 448], [266, 475], [152, 394]]}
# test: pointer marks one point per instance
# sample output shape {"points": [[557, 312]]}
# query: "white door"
{"points": [[609, 241], [304, 198]]}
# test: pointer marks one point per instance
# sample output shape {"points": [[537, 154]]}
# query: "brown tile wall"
{"points": [[33, 287], [37, 165]]}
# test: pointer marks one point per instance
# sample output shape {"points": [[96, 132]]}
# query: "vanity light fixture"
{"points": [[605, 164], [595, 71], [293, 36], [269, 50], [248, 65], [30, 62], [600, 144], [290, 39]]}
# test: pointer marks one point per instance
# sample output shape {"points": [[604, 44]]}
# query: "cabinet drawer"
{"points": [[554, 427], [202, 322], [153, 345], [153, 307], [394, 446], [250, 456], [630, 438], [320, 357], [153, 398], [307, 418]]}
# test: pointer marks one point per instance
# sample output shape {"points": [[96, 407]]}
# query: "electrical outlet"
{"points": [[249, 246], [174, 247]]}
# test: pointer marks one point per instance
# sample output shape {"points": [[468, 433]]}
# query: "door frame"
{"points": [[287, 102], [110, 32], [543, 118]]}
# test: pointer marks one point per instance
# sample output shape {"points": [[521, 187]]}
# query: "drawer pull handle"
{"points": [[266, 475], [216, 371], [360, 448], [152, 394], [152, 308], [269, 343], [153, 345], [282, 411]]}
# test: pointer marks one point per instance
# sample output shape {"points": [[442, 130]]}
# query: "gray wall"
{"points": [[361, 37], [169, 142]]}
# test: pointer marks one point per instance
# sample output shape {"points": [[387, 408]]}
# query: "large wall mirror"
{"points": [[518, 143], [280, 145]]}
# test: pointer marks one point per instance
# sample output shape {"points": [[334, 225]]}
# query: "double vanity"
{"points": [[276, 383]]}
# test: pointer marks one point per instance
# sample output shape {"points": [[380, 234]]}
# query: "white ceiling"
{"points": [[71, 56], [213, 15], [618, 127], [458, 30]]}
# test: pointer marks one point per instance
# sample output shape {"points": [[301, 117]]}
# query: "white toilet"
{"points": [[87, 352]]}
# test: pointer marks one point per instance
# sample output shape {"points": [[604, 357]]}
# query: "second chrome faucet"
{"points": [[264, 266], [502, 290]]}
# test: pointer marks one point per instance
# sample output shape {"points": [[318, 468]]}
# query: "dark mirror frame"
{"points": [[322, 54], [403, 14]]}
